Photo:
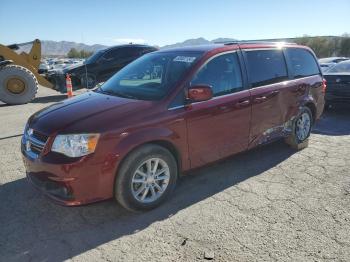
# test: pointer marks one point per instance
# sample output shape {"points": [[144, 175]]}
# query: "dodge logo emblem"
{"points": [[338, 80], [28, 146], [30, 131]]}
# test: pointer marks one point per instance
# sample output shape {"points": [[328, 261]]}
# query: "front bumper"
{"points": [[58, 79], [67, 181]]}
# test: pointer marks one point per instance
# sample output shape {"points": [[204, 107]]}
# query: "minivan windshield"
{"points": [[151, 76]]}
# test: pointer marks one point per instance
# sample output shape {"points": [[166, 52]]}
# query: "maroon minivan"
{"points": [[168, 112]]}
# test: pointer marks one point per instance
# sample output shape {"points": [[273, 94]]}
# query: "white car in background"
{"points": [[328, 62], [43, 68]]}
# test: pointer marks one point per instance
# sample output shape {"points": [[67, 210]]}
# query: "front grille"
{"points": [[40, 136], [34, 142], [36, 149]]}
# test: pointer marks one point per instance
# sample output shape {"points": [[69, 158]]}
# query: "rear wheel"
{"points": [[301, 129], [18, 85], [146, 178]]}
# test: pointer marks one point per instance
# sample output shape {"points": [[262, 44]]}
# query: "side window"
{"points": [[121, 53], [266, 67], [129, 52], [302, 62], [222, 73], [146, 50], [112, 54]]}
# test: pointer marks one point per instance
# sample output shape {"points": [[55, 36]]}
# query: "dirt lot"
{"points": [[272, 203]]}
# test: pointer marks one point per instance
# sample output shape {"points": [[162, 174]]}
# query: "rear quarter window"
{"points": [[302, 63], [266, 67]]}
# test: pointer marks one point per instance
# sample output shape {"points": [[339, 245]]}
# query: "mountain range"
{"points": [[198, 41], [61, 48]]}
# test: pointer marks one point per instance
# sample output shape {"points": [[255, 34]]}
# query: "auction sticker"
{"points": [[185, 59]]}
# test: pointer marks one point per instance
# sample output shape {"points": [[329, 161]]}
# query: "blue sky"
{"points": [[164, 22]]}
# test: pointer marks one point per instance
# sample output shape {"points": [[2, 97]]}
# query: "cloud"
{"points": [[129, 40]]}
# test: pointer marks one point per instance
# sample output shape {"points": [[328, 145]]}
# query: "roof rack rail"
{"points": [[254, 42]]}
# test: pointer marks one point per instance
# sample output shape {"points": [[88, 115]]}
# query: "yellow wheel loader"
{"points": [[19, 77]]}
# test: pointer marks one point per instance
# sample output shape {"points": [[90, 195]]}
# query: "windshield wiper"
{"points": [[115, 93], [125, 95]]}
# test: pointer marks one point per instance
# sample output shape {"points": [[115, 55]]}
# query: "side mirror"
{"points": [[200, 93]]}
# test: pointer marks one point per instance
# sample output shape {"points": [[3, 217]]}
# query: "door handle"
{"points": [[242, 103], [223, 108], [260, 99]]}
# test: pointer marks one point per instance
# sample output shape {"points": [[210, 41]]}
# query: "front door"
{"points": [[219, 127]]}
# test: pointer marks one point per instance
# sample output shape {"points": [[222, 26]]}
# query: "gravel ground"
{"points": [[272, 203]]}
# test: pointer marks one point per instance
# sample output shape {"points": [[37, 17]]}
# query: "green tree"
{"points": [[85, 54], [74, 53], [326, 46], [344, 49]]}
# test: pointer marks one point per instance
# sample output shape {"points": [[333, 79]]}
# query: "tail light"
{"points": [[324, 86]]}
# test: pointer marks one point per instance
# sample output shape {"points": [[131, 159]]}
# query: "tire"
{"points": [[22, 75], [295, 140], [88, 81], [125, 189]]}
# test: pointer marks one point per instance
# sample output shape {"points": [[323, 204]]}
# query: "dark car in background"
{"points": [[338, 84], [99, 67]]}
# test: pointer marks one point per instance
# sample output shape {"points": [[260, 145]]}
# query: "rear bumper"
{"points": [[337, 99]]}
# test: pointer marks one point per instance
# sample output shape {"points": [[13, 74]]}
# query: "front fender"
{"points": [[131, 140]]}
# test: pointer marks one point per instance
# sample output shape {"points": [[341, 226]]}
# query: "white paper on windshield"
{"points": [[185, 59]]}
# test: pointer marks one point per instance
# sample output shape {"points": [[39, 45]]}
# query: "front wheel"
{"points": [[88, 81], [301, 129], [146, 178]]}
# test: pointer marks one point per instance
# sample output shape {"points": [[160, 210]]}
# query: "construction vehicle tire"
{"points": [[18, 85]]}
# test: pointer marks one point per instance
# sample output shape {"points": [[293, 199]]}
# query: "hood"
{"points": [[73, 66], [86, 113], [67, 69]]}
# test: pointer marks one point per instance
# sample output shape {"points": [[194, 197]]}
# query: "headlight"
{"points": [[75, 145]]}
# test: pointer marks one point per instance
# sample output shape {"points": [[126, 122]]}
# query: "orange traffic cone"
{"points": [[69, 86]]}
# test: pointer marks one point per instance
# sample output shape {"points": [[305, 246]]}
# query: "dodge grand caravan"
{"points": [[168, 112]]}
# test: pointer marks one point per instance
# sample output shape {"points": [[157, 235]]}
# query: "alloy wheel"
{"points": [[303, 126], [150, 180]]}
